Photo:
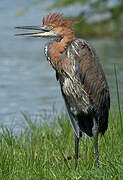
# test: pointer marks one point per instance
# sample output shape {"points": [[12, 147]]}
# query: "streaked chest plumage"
{"points": [[71, 87]]}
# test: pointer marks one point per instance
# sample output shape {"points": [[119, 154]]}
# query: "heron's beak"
{"points": [[46, 31]]}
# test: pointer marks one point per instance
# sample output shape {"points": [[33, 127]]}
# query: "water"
{"points": [[27, 82]]}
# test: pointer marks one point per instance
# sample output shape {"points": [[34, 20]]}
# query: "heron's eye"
{"points": [[50, 27]]}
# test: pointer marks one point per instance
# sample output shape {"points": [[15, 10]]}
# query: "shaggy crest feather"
{"points": [[57, 19]]}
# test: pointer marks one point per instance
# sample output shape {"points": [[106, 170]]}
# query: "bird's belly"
{"points": [[75, 97]]}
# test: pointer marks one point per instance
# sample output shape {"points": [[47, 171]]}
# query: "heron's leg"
{"points": [[76, 149], [95, 135]]}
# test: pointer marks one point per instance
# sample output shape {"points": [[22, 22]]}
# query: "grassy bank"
{"points": [[48, 153]]}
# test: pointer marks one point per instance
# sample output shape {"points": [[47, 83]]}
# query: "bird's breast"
{"points": [[75, 96]]}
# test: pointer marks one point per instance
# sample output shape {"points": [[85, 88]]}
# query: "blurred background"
{"points": [[27, 83]]}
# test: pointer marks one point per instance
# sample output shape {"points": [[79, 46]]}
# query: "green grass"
{"points": [[47, 153]]}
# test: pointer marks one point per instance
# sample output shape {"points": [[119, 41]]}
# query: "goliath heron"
{"points": [[81, 77]]}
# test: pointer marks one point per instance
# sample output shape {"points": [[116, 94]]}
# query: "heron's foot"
{"points": [[97, 159], [76, 151], [76, 164]]}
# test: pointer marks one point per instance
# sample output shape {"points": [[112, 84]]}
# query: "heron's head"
{"points": [[54, 25]]}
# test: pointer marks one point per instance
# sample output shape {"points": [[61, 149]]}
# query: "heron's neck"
{"points": [[65, 42], [57, 48]]}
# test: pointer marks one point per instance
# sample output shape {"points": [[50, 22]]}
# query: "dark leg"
{"points": [[95, 135], [76, 150]]}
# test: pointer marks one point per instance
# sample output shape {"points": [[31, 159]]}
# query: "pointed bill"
{"points": [[46, 31]]}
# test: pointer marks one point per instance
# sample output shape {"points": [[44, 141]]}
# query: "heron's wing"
{"points": [[90, 73]]}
